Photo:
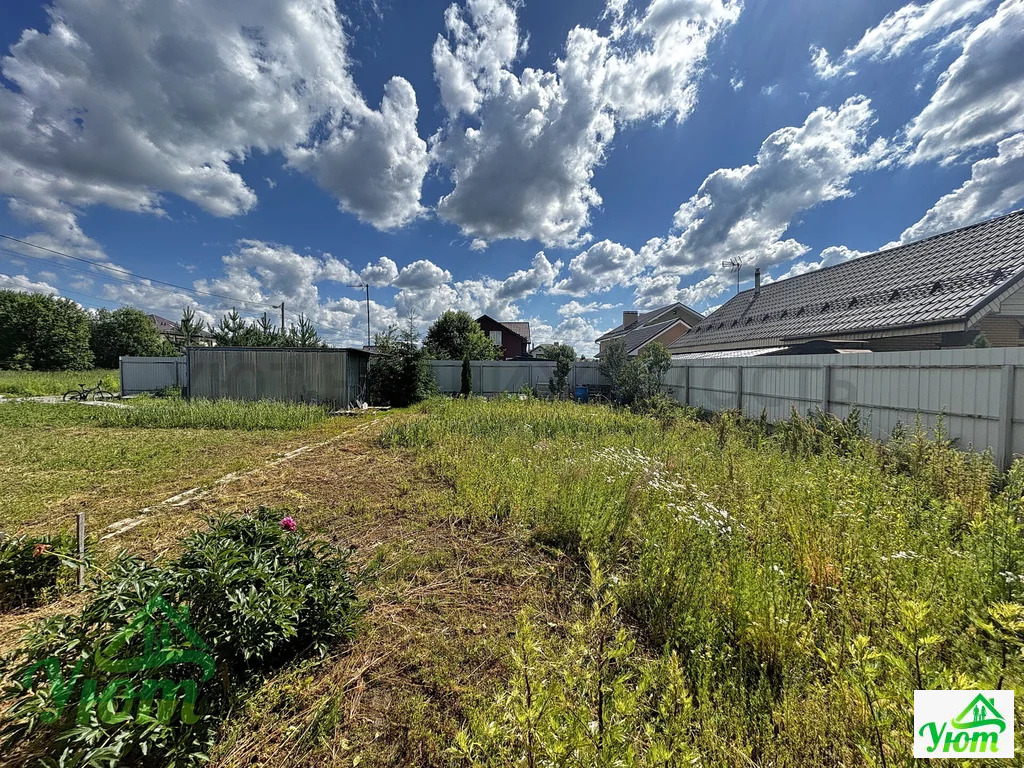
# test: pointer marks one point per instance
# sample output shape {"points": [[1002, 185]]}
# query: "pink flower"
{"points": [[288, 524]]}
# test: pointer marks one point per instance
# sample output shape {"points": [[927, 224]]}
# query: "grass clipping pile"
{"points": [[159, 653]]}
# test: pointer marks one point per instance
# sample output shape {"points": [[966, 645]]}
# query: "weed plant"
{"points": [[43, 383], [34, 570], [805, 579]]}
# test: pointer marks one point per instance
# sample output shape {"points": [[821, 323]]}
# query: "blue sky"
{"points": [[550, 162]]}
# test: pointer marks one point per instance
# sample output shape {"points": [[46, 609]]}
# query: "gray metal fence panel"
{"points": [[298, 375], [149, 374], [492, 377], [977, 393]]}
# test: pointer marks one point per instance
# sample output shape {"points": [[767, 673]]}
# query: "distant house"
{"points": [[172, 332], [663, 325], [540, 350], [938, 293], [512, 337]]}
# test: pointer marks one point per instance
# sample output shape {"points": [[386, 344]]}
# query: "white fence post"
{"points": [[81, 549]]}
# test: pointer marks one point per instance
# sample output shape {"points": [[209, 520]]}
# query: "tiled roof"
{"points": [[639, 336], [518, 328], [944, 278], [692, 317], [163, 325]]}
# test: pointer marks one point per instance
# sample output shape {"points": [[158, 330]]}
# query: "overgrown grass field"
{"points": [[42, 383], [758, 597], [549, 584]]}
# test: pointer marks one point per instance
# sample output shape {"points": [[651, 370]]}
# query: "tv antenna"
{"points": [[734, 265]]}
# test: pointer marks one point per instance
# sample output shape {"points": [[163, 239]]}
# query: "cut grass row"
{"points": [[166, 413], [58, 459], [43, 383]]}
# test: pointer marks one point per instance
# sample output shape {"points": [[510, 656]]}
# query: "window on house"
{"points": [[495, 337]]}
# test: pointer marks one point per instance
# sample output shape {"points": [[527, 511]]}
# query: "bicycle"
{"points": [[84, 393]]}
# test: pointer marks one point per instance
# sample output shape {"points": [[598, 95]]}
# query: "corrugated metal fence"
{"points": [[492, 377], [310, 375], [149, 374], [979, 393]]}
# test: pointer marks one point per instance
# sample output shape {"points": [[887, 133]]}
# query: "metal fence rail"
{"points": [[149, 374]]}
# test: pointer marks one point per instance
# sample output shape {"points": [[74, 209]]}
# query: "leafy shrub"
{"points": [[31, 568], [643, 376], [43, 333], [156, 658]]}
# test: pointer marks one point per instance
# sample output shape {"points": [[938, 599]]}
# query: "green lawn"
{"points": [[41, 383], [61, 458]]}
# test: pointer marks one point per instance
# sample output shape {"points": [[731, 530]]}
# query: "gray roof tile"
{"points": [[941, 279]]}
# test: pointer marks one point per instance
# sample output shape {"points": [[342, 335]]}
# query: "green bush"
{"points": [[401, 375], [156, 658], [43, 333], [31, 568]]}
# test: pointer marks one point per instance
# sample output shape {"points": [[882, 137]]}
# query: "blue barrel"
{"points": [[582, 394]]}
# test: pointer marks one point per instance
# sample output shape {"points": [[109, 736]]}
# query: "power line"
{"points": [[134, 274]]}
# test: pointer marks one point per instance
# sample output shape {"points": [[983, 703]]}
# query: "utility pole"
{"points": [[366, 286], [281, 307]]}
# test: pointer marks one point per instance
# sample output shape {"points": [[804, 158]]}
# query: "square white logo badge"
{"points": [[963, 724]]}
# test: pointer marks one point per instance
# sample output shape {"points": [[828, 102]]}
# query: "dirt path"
{"points": [[442, 600]]}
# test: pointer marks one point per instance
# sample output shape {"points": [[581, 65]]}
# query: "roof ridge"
{"points": [[880, 251]]}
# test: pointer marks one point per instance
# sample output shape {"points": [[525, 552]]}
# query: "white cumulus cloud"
{"points": [[900, 31], [980, 98], [521, 149]]}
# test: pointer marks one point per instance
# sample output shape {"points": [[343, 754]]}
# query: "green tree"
{"points": [[191, 329], [126, 331], [614, 360], [231, 330], [564, 357], [265, 333], [456, 334], [303, 335], [401, 374], [467, 377], [643, 376], [43, 333]]}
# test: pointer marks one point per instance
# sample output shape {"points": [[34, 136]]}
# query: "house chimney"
{"points": [[630, 316], [757, 281]]}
